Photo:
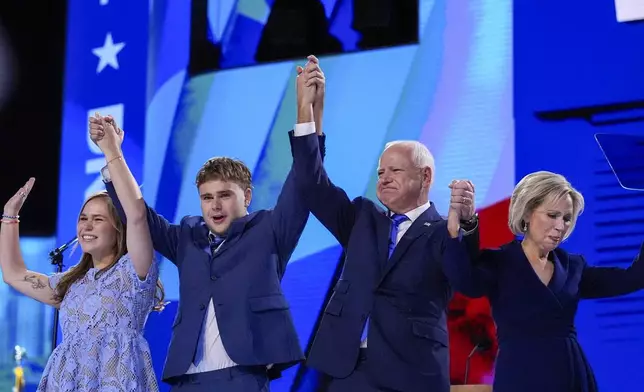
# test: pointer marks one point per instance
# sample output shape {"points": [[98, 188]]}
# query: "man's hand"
{"points": [[106, 134], [310, 90], [316, 78], [461, 206], [305, 96]]}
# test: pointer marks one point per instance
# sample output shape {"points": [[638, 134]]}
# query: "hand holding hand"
{"points": [[304, 92], [106, 134], [461, 205], [310, 83], [316, 77], [13, 206]]}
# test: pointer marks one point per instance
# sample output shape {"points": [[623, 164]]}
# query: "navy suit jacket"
{"points": [[243, 279], [404, 297], [535, 321]]}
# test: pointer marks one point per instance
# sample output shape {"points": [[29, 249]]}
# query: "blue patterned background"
{"points": [[472, 90], [453, 91]]}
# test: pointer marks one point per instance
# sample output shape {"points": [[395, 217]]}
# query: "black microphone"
{"points": [[481, 344], [56, 257], [63, 247]]}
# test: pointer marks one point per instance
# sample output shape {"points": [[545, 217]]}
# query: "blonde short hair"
{"points": [[533, 190]]}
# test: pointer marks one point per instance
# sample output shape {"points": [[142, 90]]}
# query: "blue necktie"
{"points": [[215, 241], [396, 220]]}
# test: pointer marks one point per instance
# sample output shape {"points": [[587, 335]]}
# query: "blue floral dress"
{"points": [[102, 318]]}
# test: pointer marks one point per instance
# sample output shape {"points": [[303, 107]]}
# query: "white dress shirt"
{"points": [[304, 129], [215, 356]]}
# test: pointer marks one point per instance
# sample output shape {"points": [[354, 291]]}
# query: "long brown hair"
{"points": [[120, 249]]}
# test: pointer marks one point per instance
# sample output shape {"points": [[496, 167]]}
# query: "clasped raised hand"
{"points": [[106, 134], [310, 83]]}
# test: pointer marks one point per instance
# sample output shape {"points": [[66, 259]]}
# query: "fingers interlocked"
{"points": [[312, 73]]}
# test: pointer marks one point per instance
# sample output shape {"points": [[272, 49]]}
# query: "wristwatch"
{"points": [[470, 224], [105, 173]]}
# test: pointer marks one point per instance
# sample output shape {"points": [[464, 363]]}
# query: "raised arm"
{"points": [[290, 215], [165, 235], [139, 244], [330, 204], [14, 271], [291, 212], [603, 282], [468, 272]]}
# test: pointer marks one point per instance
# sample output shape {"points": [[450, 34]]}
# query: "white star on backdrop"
{"points": [[104, 2], [107, 53]]}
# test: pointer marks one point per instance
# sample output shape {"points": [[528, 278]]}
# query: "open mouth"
{"points": [[218, 219], [555, 239], [88, 237]]}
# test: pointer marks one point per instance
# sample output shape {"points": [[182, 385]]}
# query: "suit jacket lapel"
{"points": [[201, 242], [383, 228], [556, 281], [560, 274], [234, 234], [422, 225]]}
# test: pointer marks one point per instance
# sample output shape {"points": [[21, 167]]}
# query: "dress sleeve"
{"points": [[55, 279], [150, 281]]}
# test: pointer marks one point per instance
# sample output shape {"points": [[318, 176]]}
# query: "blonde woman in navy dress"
{"points": [[105, 299], [534, 287]]}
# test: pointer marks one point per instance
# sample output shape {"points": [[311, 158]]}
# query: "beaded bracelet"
{"points": [[5, 216]]}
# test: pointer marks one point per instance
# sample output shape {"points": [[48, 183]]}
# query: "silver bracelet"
{"points": [[5, 216]]}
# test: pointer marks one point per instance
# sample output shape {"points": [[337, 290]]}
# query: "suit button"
{"points": [[213, 278], [202, 306]]}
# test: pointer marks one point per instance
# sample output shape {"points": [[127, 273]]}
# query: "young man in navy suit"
{"points": [[384, 328], [233, 330]]}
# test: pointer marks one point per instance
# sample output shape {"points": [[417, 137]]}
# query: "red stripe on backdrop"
{"points": [[467, 316]]}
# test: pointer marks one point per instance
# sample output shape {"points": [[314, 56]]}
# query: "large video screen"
{"points": [[452, 90], [235, 33]]}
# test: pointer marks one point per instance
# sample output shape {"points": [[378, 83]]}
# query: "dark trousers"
{"points": [[234, 379]]}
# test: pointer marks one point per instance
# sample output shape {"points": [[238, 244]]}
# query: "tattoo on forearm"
{"points": [[36, 284]]}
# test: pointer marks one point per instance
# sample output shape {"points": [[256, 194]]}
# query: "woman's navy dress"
{"points": [[538, 347]]}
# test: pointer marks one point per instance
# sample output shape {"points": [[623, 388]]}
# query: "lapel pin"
{"points": [[427, 224]]}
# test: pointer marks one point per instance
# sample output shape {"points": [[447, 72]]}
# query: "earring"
{"points": [[525, 226]]}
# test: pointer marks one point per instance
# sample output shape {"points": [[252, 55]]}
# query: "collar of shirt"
{"points": [[211, 235], [416, 212]]}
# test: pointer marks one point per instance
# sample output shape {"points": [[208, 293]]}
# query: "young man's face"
{"points": [[222, 202]]}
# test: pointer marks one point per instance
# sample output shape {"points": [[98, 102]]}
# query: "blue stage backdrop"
{"points": [[453, 91], [25, 322], [574, 61]]}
